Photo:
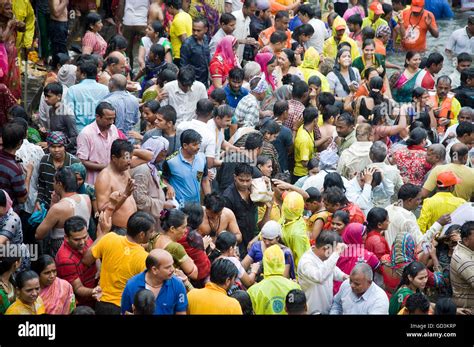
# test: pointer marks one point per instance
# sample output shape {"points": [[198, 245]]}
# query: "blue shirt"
{"points": [[127, 110], [440, 9], [171, 298], [233, 98], [83, 98], [199, 56], [185, 177]]}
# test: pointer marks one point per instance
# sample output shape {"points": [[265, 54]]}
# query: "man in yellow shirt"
{"points": [[122, 258], [181, 27], [304, 143], [443, 202], [213, 299], [24, 12]]}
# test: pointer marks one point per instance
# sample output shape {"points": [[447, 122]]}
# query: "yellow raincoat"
{"points": [[268, 296], [309, 67], [294, 231], [330, 45], [369, 21], [24, 12]]}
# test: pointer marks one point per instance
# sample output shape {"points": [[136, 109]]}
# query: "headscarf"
{"points": [[226, 51], [383, 30], [283, 93], [81, 169], [353, 233], [273, 261], [156, 145], [56, 138], [7, 100], [261, 86], [309, 67], [262, 59], [292, 208], [403, 250], [67, 75]]}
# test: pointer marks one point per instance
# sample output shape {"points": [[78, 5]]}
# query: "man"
{"points": [[268, 296], [360, 295], [185, 172], [181, 28], [213, 298], [204, 112], [339, 35], [354, 23], [435, 156], [465, 189], [248, 109], [356, 157], [345, 132], [184, 93], [305, 143], [375, 17], [126, 106], [308, 16], [317, 270], [233, 90], [13, 179], [465, 135], [426, 77], [65, 203], [446, 106], [461, 40], [69, 262], [282, 19], [122, 258], [84, 97], [466, 114], [50, 163], [23, 12], [296, 105], [295, 303], [159, 278], [261, 20], [242, 26], [284, 141], [463, 62], [417, 22], [227, 24], [443, 202], [95, 140], [115, 64], [465, 93], [195, 51], [165, 125], [58, 26], [116, 177], [462, 268]]}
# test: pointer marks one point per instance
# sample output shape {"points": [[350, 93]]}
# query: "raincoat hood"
{"points": [[293, 206], [339, 21], [273, 261], [311, 59]]}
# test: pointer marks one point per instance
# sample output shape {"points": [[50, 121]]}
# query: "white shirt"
{"points": [[320, 34], [460, 42], [448, 149], [208, 143], [242, 30], [354, 159], [237, 5], [317, 181], [218, 136], [455, 79], [136, 12], [316, 279], [364, 197], [373, 301], [184, 103], [219, 35], [450, 130]]}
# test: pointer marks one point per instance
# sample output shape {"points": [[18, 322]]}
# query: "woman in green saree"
{"points": [[402, 85]]}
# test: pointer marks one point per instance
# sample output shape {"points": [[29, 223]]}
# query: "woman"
{"points": [[344, 79], [402, 85], [270, 235], [340, 220], [148, 192], [383, 132], [226, 246], [268, 62], [414, 279], [421, 109], [155, 34], [93, 42], [174, 224], [28, 301], [309, 68], [7, 101], [224, 60], [301, 35], [354, 236], [377, 223], [370, 59], [265, 165], [411, 160], [8, 266], [10, 70], [364, 105], [287, 64], [57, 294]]}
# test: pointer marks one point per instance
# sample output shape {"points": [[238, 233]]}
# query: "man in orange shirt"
{"points": [[417, 22], [282, 19]]}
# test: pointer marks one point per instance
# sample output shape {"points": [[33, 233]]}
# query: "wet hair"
{"points": [[190, 136], [74, 224], [227, 18], [417, 301], [243, 169], [195, 214], [223, 269], [214, 202], [445, 306], [310, 114], [116, 43], [138, 222], [355, 19], [412, 270], [219, 96], [314, 195], [254, 140], [409, 56], [417, 136], [244, 300], [165, 76], [335, 195], [408, 191], [92, 19], [295, 301], [327, 237], [23, 277], [375, 216], [462, 57], [280, 107], [12, 136], [342, 215], [333, 179], [291, 56], [67, 178], [224, 241], [278, 36], [187, 75], [434, 58], [172, 218], [236, 74], [315, 80], [466, 229], [144, 302], [119, 147], [152, 105], [6, 263], [158, 51], [42, 263], [55, 88], [169, 113]]}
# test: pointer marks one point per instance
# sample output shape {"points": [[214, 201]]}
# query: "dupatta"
{"points": [[59, 297]]}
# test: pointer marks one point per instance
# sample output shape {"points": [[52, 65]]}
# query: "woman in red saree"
{"points": [[7, 100], [224, 60]]}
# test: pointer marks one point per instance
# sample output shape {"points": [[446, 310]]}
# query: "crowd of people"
{"points": [[236, 157]]}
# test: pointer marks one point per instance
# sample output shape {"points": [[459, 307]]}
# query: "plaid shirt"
{"points": [[247, 111], [295, 115]]}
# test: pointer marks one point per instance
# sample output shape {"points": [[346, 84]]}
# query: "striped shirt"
{"points": [[462, 276], [12, 178], [247, 111]]}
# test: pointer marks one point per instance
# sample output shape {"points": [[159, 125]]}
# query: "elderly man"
{"points": [[435, 156], [355, 158], [127, 108], [462, 268], [169, 290], [359, 294], [466, 114], [116, 63]]}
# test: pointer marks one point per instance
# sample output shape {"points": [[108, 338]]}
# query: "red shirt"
{"points": [[70, 267], [377, 244], [355, 215], [194, 247]]}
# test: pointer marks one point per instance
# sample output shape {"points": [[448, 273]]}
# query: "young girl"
{"points": [[377, 223], [340, 219], [149, 110]]}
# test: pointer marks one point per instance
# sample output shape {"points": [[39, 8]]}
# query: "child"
{"points": [[155, 33], [149, 110], [319, 215], [377, 223], [330, 113], [340, 219]]}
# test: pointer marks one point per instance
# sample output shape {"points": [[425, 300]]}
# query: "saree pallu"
{"points": [[402, 89], [210, 9], [12, 78], [59, 297]]}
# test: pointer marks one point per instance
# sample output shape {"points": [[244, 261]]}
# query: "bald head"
{"points": [[157, 257], [364, 132], [458, 153], [117, 82], [116, 63]]}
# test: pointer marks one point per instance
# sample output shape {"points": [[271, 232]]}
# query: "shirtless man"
{"points": [[58, 26], [116, 63], [65, 203], [116, 177], [218, 218], [155, 12]]}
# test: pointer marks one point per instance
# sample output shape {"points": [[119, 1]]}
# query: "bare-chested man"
{"points": [[58, 29], [65, 203], [218, 218], [116, 177]]}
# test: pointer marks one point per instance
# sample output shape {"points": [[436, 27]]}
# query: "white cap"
{"points": [[271, 230]]}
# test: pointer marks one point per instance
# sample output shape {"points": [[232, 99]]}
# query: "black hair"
{"points": [[88, 68], [223, 269], [103, 105], [92, 18], [152, 105], [368, 33], [310, 114], [195, 214], [67, 178], [346, 117], [368, 42], [224, 241], [74, 224], [445, 306], [42, 263], [327, 237], [172, 218], [434, 58], [17, 111], [343, 46], [6, 263], [412, 270], [116, 43], [304, 29], [204, 107], [335, 195], [333, 179], [408, 191], [25, 276], [272, 60], [417, 301], [418, 92], [280, 107], [464, 57], [214, 202], [13, 135], [144, 302], [165, 76], [244, 300], [290, 79], [330, 111], [223, 110], [300, 88], [315, 80], [190, 136], [376, 83], [187, 75], [169, 113], [295, 301], [226, 18], [243, 169], [387, 8], [248, 3], [176, 4], [3, 198], [464, 128], [277, 37], [55, 88], [307, 10], [291, 56], [219, 96], [158, 51], [312, 163], [326, 98], [355, 19], [417, 136], [254, 140], [268, 126], [467, 229], [282, 14], [201, 19], [236, 74], [283, 176], [375, 216], [139, 222], [119, 147], [21, 122], [409, 56], [368, 71], [314, 195], [344, 216], [158, 28], [83, 311]]}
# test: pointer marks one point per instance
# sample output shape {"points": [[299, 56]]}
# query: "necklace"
{"points": [[212, 225]]}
